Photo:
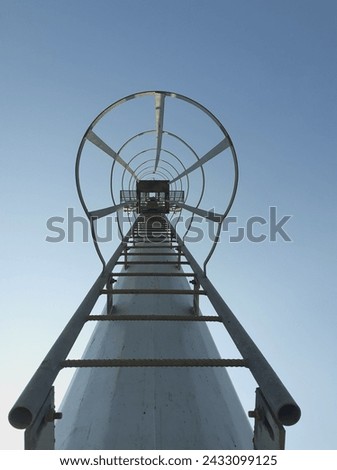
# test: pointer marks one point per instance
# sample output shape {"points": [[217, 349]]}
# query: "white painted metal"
{"points": [[94, 139], [106, 211], [220, 147], [206, 214], [152, 408], [159, 100]]}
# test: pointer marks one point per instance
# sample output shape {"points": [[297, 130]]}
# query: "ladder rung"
{"points": [[164, 237], [153, 246], [149, 245], [150, 239], [153, 291], [154, 274], [152, 262], [153, 254], [151, 235], [115, 317], [154, 363]]}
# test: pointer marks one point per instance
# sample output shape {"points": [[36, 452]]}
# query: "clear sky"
{"points": [[267, 70]]}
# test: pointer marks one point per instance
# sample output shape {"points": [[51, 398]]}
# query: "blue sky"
{"points": [[267, 70]]}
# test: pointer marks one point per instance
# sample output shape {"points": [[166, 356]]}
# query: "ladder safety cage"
{"points": [[153, 189]]}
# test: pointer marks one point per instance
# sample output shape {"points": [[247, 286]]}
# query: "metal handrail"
{"points": [[277, 396], [218, 149], [30, 401]]}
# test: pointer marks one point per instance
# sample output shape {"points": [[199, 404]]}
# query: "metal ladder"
{"points": [[155, 233], [34, 409]]}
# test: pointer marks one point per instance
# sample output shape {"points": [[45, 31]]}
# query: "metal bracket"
{"points": [[109, 286], [196, 289], [40, 435], [126, 258], [268, 431], [178, 249], [171, 238]]}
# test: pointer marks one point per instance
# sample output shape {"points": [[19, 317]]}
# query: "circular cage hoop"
{"points": [[135, 173], [170, 134]]}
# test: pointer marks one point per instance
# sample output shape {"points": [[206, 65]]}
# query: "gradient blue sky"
{"points": [[267, 69]]}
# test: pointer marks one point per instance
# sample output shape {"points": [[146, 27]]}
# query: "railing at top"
{"points": [[143, 148]]}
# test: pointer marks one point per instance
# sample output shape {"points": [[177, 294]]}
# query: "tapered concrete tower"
{"points": [[151, 376]]}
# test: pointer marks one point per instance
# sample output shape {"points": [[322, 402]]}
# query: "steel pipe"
{"points": [[133, 317], [205, 214], [29, 403], [279, 399], [94, 139], [106, 211], [154, 363]]}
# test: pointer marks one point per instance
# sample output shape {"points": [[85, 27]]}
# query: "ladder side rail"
{"points": [[33, 396], [279, 399]]}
